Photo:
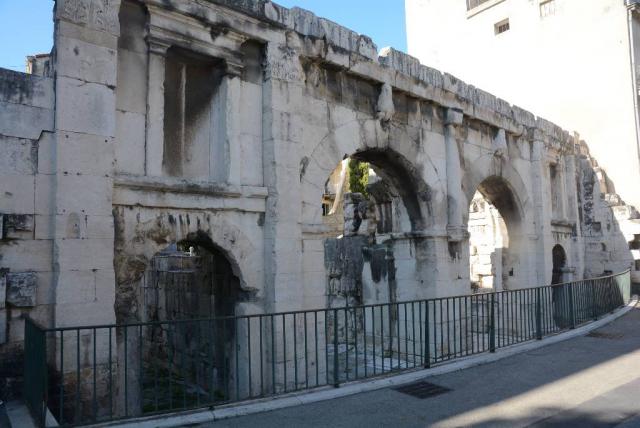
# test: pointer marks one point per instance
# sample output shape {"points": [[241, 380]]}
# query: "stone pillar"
{"points": [[576, 254], [455, 226], [282, 91], [86, 43], [86, 40], [155, 108], [226, 161], [542, 213]]}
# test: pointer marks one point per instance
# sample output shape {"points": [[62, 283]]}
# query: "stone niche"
{"points": [[193, 109]]}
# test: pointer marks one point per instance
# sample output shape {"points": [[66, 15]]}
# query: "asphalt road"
{"points": [[590, 381]]}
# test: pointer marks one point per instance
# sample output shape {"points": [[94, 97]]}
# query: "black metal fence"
{"points": [[91, 374]]}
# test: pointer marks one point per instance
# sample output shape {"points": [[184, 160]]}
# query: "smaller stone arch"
{"points": [[142, 233], [498, 242], [559, 260]]}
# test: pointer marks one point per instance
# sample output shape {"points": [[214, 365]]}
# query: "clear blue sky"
{"points": [[26, 26]]}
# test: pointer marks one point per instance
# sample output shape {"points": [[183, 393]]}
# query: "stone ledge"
{"points": [[188, 186], [164, 193]]}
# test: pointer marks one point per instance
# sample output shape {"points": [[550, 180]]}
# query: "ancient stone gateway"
{"points": [[163, 125]]}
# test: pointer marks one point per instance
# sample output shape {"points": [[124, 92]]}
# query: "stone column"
{"points": [[455, 226], [226, 160], [542, 212], [576, 253], [155, 108], [86, 43]]}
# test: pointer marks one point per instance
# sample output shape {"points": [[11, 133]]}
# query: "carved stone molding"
{"points": [[101, 15]]}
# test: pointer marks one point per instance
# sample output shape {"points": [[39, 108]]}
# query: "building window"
{"points": [[547, 8], [502, 26], [474, 3]]}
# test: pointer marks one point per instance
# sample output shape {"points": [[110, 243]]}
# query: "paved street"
{"points": [[591, 381]]}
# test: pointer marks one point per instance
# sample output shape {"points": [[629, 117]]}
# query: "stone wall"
{"points": [[138, 159], [26, 186]]}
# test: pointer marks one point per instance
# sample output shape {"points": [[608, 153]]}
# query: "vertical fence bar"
{"points": [[572, 308], [538, 313], [336, 380], [427, 340], [492, 327], [594, 313]]}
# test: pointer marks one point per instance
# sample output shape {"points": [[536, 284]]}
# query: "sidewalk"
{"points": [[591, 381]]}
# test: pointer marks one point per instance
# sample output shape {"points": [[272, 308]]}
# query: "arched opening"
{"points": [[372, 203], [495, 237], [559, 264], [189, 298]]}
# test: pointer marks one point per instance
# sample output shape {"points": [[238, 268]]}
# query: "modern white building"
{"points": [[569, 61]]}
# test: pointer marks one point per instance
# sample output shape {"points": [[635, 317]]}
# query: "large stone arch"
{"points": [[501, 183], [394, 155]]}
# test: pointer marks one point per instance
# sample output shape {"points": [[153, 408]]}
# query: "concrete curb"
{"points": [[329, 393]]}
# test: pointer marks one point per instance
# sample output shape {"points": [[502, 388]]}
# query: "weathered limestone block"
{"points": [[101, 15], [17, 192], [91, 63], [23, 121], [19, 156], [18, 226], [21, 289], [26, 89], [85, 107]]}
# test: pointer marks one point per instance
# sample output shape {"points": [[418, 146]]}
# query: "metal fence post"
{"points": [[572, 307], [336, 364], [427, 362], [538, 314], [492, 325], [35, 371], [593, 300]]}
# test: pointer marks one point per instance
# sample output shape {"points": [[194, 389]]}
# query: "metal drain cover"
{"points": [[601, 335], [422, 389]]}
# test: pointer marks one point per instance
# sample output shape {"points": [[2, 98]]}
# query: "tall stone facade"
{"points": [[216, 124]]}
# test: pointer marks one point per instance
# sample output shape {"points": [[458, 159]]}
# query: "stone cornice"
{"points": [[325, 41]]}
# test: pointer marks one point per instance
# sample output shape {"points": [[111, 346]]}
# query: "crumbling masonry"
{"points": [[159, 125]]}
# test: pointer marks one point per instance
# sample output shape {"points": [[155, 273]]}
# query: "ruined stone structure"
{"points": [[159, 125], [559, 47]]}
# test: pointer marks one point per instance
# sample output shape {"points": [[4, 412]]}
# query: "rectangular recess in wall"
{"points": [[502, 26]]}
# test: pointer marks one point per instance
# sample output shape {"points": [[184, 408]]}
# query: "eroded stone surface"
{"points": [[21, 289]]}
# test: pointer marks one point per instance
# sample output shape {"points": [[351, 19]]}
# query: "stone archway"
{"points": [[496, 236], [142, 233], [559, 264]]}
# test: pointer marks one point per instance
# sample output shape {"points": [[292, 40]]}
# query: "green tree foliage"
{"points": [[358, 177]]}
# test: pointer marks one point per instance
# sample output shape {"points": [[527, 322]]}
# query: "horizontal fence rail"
{"points": [[92, 374]]}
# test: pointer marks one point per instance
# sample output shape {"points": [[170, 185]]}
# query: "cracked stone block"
{"points": [[21, 289]]}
